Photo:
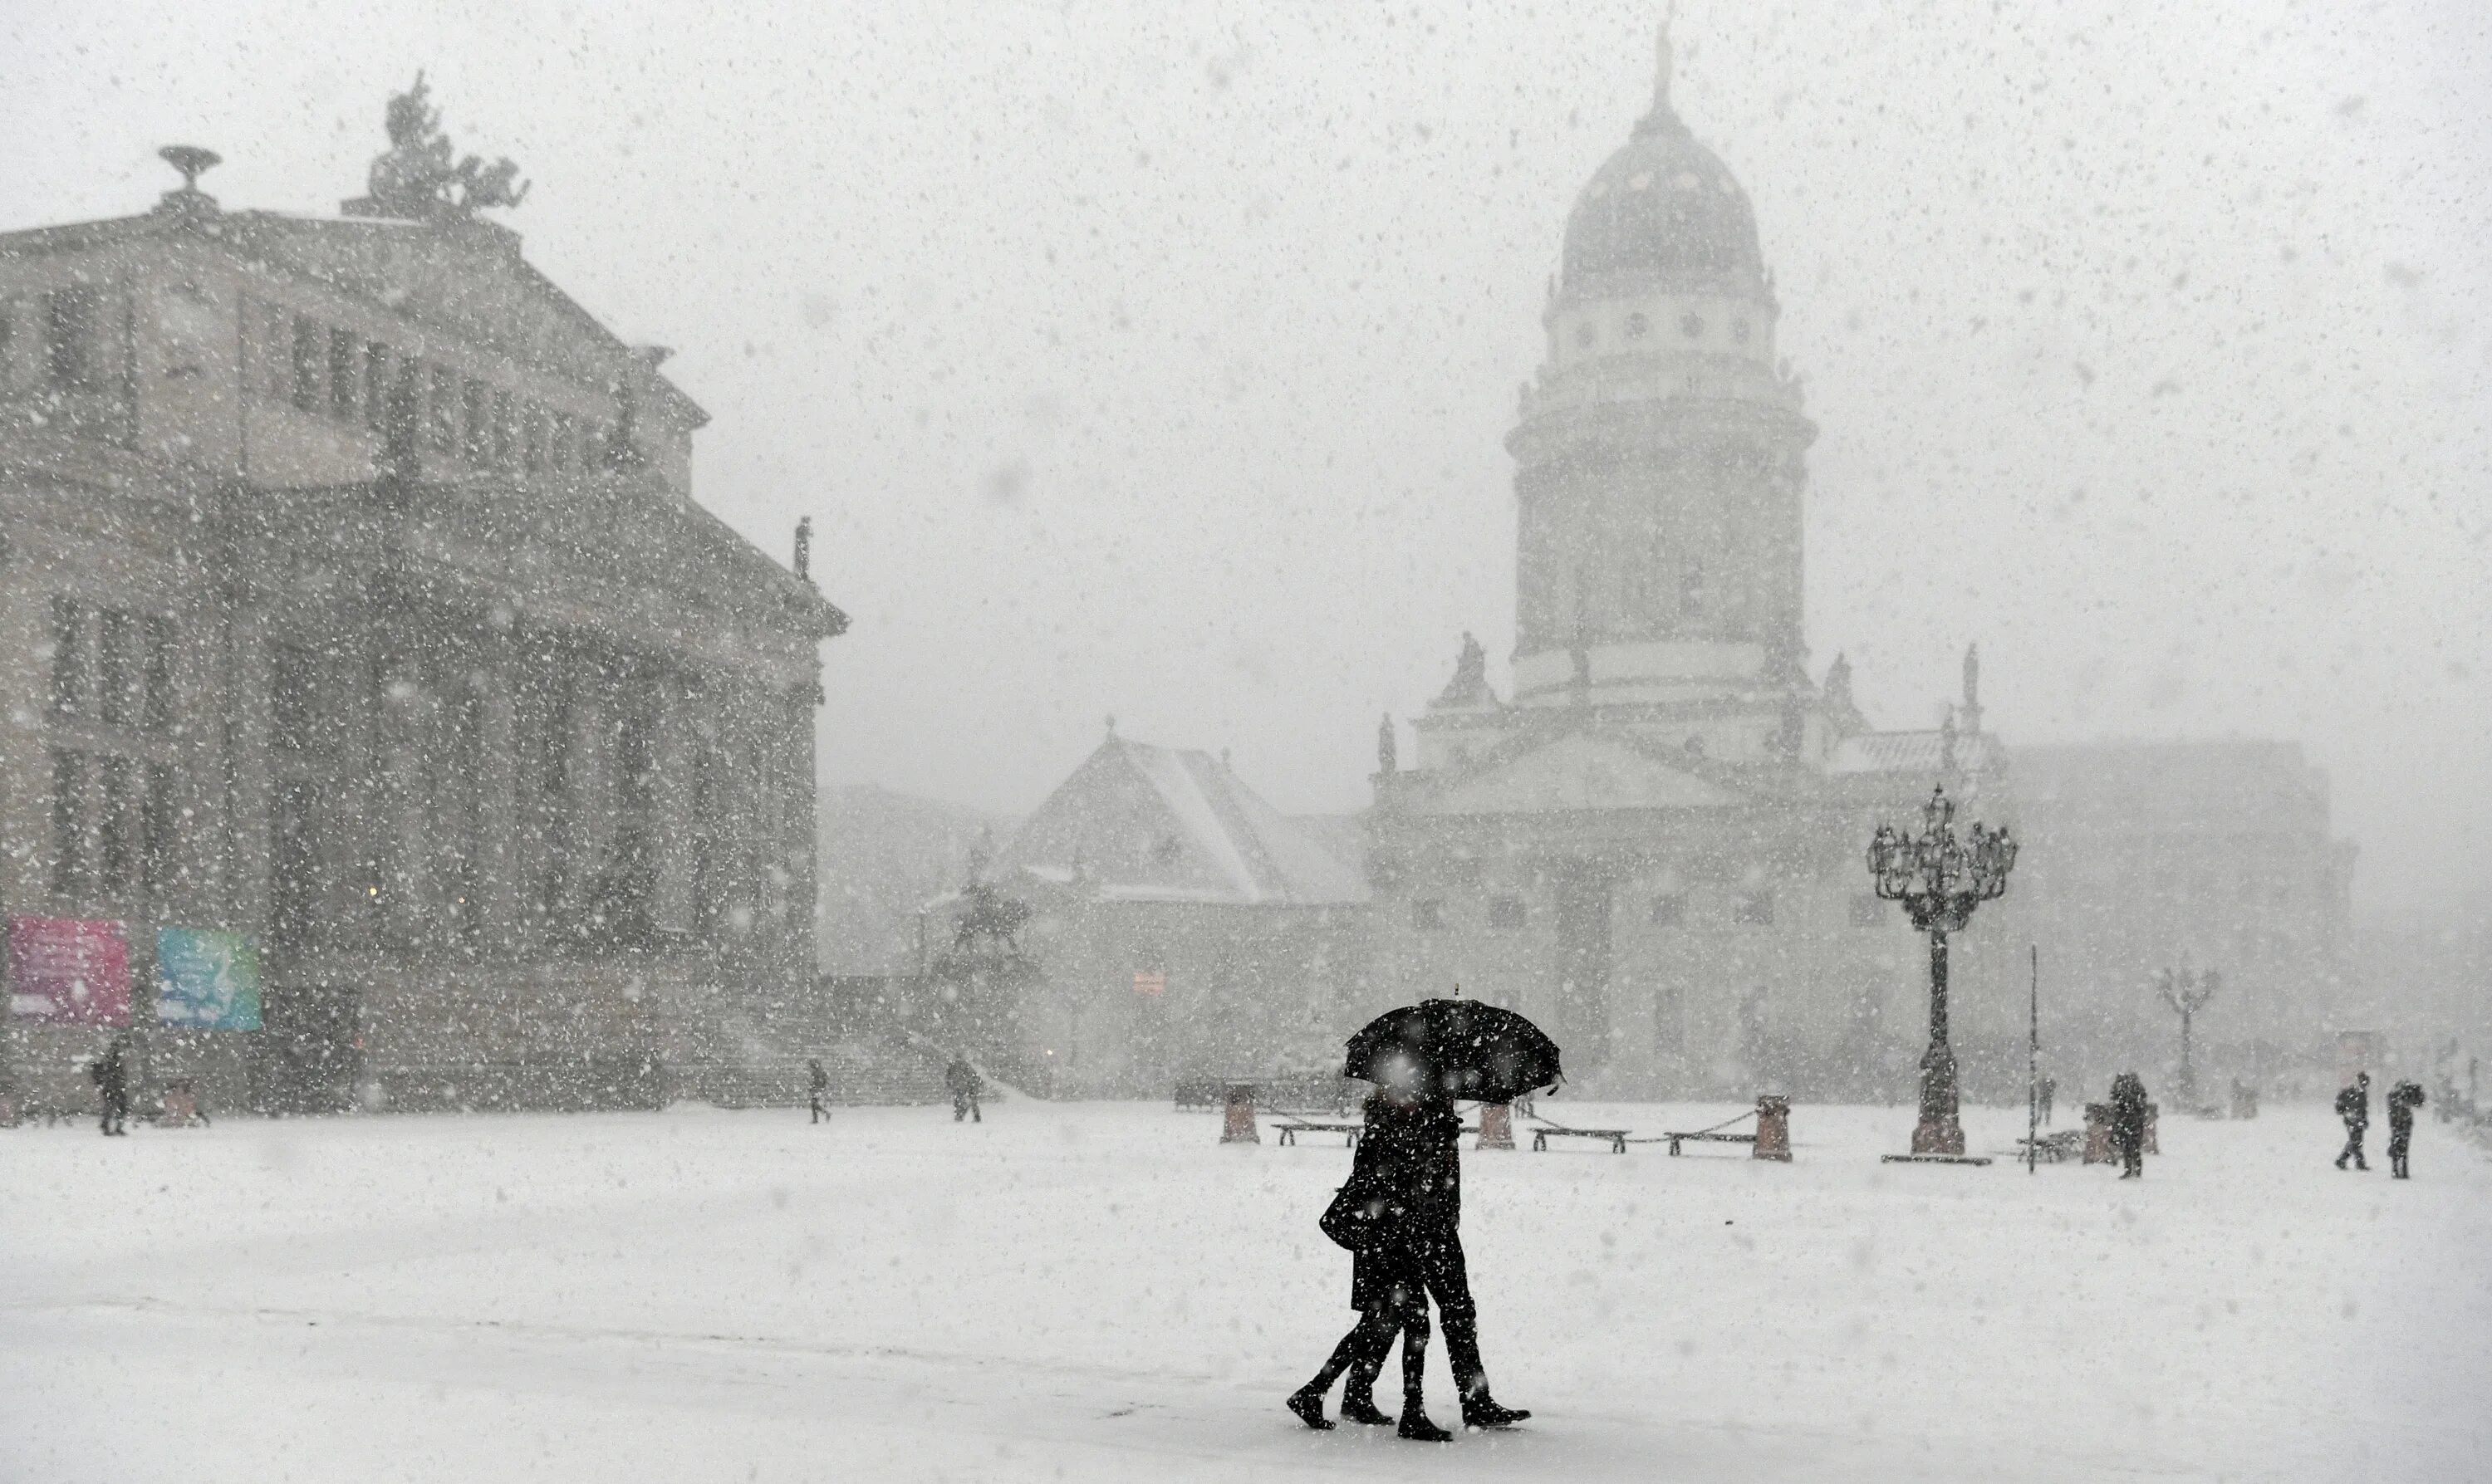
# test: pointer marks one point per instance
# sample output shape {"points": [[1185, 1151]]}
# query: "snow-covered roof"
{"points": [[1138, 822]]}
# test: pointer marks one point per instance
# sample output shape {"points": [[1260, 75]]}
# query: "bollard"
{"points": [[1237, 1125], [2097, 1133], [1496, 1126], [1773, 1129]]}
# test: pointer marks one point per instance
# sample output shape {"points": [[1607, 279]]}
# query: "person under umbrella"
{"points": [[1423, 1058], [2403, 1099]]}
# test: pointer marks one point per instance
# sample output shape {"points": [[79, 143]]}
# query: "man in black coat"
{"points": [[2353, 1106], [817, 1085], [2403, 1099], [111, 1074], [1437, 1243], [966, 1084], [2129, 1124]]}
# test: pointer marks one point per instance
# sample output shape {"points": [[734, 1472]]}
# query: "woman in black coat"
{"points": [[1393, 1187]]}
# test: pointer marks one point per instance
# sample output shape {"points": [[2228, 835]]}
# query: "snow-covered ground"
{"points": [[1102, 1293]]}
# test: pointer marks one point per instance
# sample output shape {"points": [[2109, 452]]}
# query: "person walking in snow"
{"points": [[817, 1083], [111, 1074], [2129, 1124], [2353, 1106], [1372, 1216], [2403, 1099], [966, 1084], [2050, 1089]]}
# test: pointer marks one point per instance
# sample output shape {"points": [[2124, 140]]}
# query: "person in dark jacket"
{"points": [[2353, 1106], [2050, 1091], [966, 1084], [1385, 1285], [2129, 1124], [1413, 1145], [817, 1087], [2403, 1099], [111, 1074]]}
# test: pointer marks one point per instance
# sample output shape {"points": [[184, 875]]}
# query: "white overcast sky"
{"points": [[1153, 359]]}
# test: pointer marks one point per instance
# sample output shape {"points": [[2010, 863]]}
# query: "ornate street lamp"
{"points": [[1939, 881], [2187, 991]]}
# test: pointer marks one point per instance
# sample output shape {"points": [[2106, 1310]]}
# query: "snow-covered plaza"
{"points": [[1103, 1291]]}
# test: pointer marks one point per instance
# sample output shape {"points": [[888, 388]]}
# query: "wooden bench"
{"points": [[1617, 1136], [1706, 1136], [1289, 1131], [2065, 1144]]}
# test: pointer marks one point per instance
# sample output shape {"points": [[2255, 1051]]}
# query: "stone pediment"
{"points": [[1578, 770]]}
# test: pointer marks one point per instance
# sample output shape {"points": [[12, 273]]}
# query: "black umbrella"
{"points": [[1455, 1047]]}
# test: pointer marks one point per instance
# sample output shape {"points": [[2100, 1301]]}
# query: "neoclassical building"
{"points": [[1655, 844], [356, 611]]}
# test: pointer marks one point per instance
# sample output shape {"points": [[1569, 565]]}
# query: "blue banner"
{"points": [[207, 978]]}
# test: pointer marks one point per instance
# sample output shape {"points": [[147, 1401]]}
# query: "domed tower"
{"points": [[1659, 453]]}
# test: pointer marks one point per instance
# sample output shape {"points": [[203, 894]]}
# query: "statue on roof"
{"points": [[421, 177], [1469, 685]]}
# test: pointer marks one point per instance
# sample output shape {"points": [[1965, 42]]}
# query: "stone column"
{"points": [[501, 906], [671, 804]]}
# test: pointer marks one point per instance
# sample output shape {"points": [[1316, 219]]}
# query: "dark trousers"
{"points": [[1448, 1280], [2398, 1144], [2132, 1158], [819, 1112], [965, 1105], [116, 1109], [2354, 1133], [1361, 1353]]}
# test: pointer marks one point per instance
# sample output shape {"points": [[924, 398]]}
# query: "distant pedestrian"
{"points": [[818, 1086], [111, 1074], [2129, 1124], [2050, 1089], [2403, 1099], [2353, 1106], [966, 1084]]}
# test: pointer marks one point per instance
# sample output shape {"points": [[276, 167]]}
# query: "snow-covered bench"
{"points": [[1616, 1137]]}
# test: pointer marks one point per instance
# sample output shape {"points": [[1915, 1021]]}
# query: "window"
{"points": [[68, 657], [158, 708], [1507, 913], [471, 418], [1428, 915], [1669, 1021], [118, 856], [1692, 326], [159, 829], [69, 338], [1868, 910], [376, 389], [532, 438], [294, 697], [1756, 908], [563, 435], [1463, 870], [293, 865], [1637, 326], [117, 677], [502, 419], [1670, 910], [68, 824], [346, 372], [307, 362], [443, 423]]}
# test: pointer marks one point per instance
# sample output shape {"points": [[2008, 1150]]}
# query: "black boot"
{"points": [[1359, 1405], [1482, 1410], [1416, 1426], [1309, 1405]]}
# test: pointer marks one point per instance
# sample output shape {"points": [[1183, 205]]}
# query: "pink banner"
{"points": [[70, 969]]}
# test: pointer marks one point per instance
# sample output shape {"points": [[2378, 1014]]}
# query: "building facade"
{"points": [[354, 603]]}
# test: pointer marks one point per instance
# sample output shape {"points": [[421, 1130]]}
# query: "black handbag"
{"points": [[1355, 1219]]}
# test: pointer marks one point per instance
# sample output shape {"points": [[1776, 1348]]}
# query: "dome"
{"points": [[1663, 213]]}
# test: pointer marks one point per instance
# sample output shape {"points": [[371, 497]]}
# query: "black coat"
{"points": [[112, 1076], [2353, 1106], [1409, 1164], [2127, 1111], [963, 1080]]}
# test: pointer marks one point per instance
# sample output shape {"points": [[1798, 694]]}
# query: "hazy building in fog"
{"points": [[1655, 844], [354, 598], [1179, 926]]}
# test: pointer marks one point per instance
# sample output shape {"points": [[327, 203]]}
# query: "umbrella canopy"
{"points": [[1456, 1048]]}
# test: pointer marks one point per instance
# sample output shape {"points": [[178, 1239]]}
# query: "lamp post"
{"points": [[2187, 991], [1939, 879]]}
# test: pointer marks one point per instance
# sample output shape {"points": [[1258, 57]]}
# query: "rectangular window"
{"points": [[502, 419], [1428, 915], [68, 657], [116, 674], [444, 424], [532, 440], [68, 824], [160, 829], [1507, 913], [1756, 908], [1868, 910], [117, 858], [158, 693], [69, 338], [1669, 1021], [472, 410], [376, 389], [293, 865], [294, 697], [346, 372], [1463, 870], [1670, 910], [307, 362]]}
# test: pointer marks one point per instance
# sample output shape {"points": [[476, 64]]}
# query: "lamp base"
{"points": [[1938, 1133]]}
